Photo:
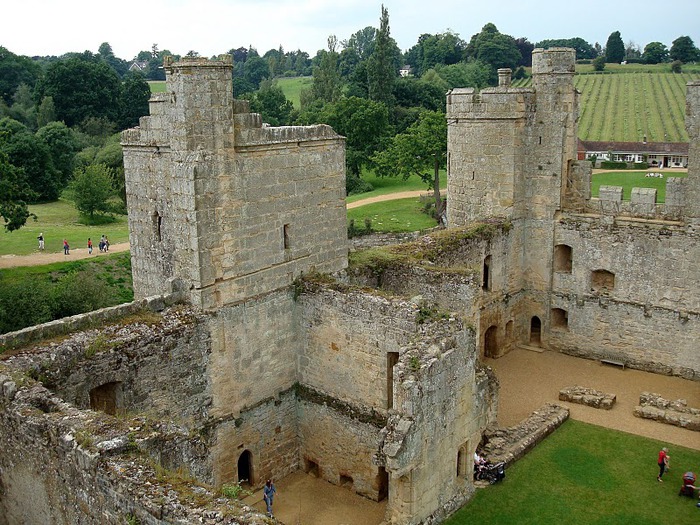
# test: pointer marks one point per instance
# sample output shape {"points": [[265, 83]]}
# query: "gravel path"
{"points": [[36, 259]]}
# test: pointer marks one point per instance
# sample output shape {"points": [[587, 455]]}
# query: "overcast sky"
{"points": [[212, 27]]}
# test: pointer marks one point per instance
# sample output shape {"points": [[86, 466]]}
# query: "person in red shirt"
{"points": [[663, 463]]}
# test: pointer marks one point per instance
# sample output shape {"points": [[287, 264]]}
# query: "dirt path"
{"points": [[389, 197], [36, 259]]}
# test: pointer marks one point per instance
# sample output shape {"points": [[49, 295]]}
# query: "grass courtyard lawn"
{"points": [[585, 474], [633, 179], [400, 215], [157, 86], [57, 221]]}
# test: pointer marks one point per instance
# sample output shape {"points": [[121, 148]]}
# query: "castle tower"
{"points": [[225, 206]]}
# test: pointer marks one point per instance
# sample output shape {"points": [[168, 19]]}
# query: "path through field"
{"points": [[39, 258]]}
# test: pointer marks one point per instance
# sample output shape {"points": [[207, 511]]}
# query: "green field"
{"points": [[400, 215], [632, 179], [157, 86], [585, 474], [292, 86], [57, 221], [385, 185], [628, 102]]}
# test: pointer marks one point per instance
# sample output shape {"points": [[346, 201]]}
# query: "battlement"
{"points": [[643, 202]]}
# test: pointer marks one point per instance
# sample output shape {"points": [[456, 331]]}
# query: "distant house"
{"points": [[656, 154], [405, 71], [139, 65]]}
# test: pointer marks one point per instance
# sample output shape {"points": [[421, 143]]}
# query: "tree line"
{"points": [[60, 116]]}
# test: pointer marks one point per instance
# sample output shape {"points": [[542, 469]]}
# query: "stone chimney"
{"points": [[504, 76]]}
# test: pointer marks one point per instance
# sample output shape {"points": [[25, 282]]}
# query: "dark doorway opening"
{"points": [[311, 467], [245, 468], [382, 484], [490, 342], [391, 359], [535, 331], [106, 398]]}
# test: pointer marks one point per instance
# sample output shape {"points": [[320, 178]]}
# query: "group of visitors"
{"points": [[103, 245]]}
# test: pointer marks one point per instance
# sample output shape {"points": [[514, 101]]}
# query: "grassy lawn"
{"points": [[632, 179], [401, 215], [57, 221], [385, 185], [157, 86], [585, 474], [292, 86]]}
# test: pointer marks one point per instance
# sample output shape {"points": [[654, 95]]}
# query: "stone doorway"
{"points": [[106, 398], [535, 331], [490, 342], [245, 468]]}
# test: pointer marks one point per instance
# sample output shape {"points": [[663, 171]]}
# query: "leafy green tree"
{"points": [[63, 145], [474, 74], [23, 109], [81, 88], [382, 65], [46, 112], [255, 68], [420, 150], [15, 194], [584, 50], [271, 103], [365, 125], [16, 70], [25, 150], [599, 63], [614, 49], [655, 53], [105, 53], [416, 92], [526, 48], [683, 49], [133, 100], [327, 84], [495, 49], [362, 42], [92, 188], [431, 50]]}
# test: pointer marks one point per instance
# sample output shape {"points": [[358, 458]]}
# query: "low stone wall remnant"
{"points": [[587, 396], [511, 443], [677, 413]]}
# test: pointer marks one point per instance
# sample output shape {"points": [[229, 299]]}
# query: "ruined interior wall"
{"points": [[654, 263], [347, 338], [341, 445], [269, 431], [255, 345], [442, 408]]}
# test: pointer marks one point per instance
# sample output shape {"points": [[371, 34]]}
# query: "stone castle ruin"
{"points": [[263, 350]]}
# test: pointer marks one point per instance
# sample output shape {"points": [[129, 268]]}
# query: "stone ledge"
{"points": [[677, 413], [511, 443], [588, 397]]}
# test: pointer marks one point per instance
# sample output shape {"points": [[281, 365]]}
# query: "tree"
{"points": [[684, 49], [15, 193], [495, 49], [326, 84], [46, 112], [255, 69], [364, 124], [382, 66], [15, 70], [420, 150], [614, 49], [584, 50], [91, 189], [81, 88], [599, 63], [655, 53], [63, 145], [271, 103], [26, 151], [431, 50], [133, 100], [526, 48]]}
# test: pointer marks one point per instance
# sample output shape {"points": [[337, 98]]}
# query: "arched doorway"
{"points": [[490, 342], [535, 331], [245, 468]]}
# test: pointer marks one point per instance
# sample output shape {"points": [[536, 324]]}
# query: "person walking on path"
{"points": [[106, 243], [89, 246], [41, 242], [268, 494], [663, 463], [66, 248]]}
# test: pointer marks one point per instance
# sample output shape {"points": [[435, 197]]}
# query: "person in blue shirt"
{"points": [[268, 494]]}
